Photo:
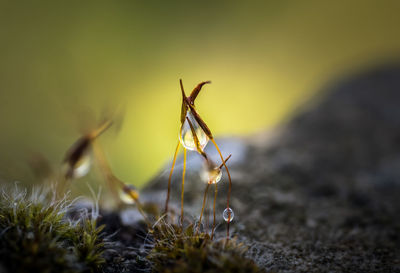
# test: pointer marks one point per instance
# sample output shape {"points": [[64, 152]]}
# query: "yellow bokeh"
{"points": [[62, 61]]}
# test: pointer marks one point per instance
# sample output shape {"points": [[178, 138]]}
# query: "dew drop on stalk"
{"points": [[212, 176], [82, 167], [186, 136], [228, 215], [128, 194]]}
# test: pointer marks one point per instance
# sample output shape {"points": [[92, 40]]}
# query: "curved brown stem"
{"points": [[138, 204], [230, 186], [101, 129], [106, 170], [114, 182]]}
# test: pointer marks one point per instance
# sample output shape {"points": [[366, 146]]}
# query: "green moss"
{"points": [[36, 236], [176, 251]]}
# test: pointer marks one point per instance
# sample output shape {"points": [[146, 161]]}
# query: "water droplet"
{"points": [[186, 136], [82, 167], [228, 215], [128, 194], [211, 176]]}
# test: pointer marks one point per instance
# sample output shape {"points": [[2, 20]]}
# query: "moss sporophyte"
{"points": [[175, 247], [82, 151], [194, 135]]}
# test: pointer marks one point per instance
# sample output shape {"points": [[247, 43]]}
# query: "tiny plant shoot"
{"points": [[78, 162], [78, 158], [194, 135]]}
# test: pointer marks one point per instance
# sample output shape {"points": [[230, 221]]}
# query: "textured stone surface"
{"points": [[320, 193]]}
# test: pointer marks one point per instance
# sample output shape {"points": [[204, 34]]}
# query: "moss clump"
{"points": [[36, 236], [176, 251]]}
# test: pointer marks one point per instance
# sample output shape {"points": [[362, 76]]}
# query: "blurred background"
{"points": [[63, 63]]}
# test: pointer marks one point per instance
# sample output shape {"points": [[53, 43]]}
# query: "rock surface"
{"points": [[321, 193]]}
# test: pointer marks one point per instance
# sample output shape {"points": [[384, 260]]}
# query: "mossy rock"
{"points": [[36, 235], [177, 251]]}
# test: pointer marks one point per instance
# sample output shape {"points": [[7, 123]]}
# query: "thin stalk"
{"points": [[140, 208], [112, 180], [202, 208], [215, 200], [170, 177], [183, 184], [106, 170], [230, 186]]}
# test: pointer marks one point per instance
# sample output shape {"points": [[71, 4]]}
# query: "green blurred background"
{"points": [[62, 62]]}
